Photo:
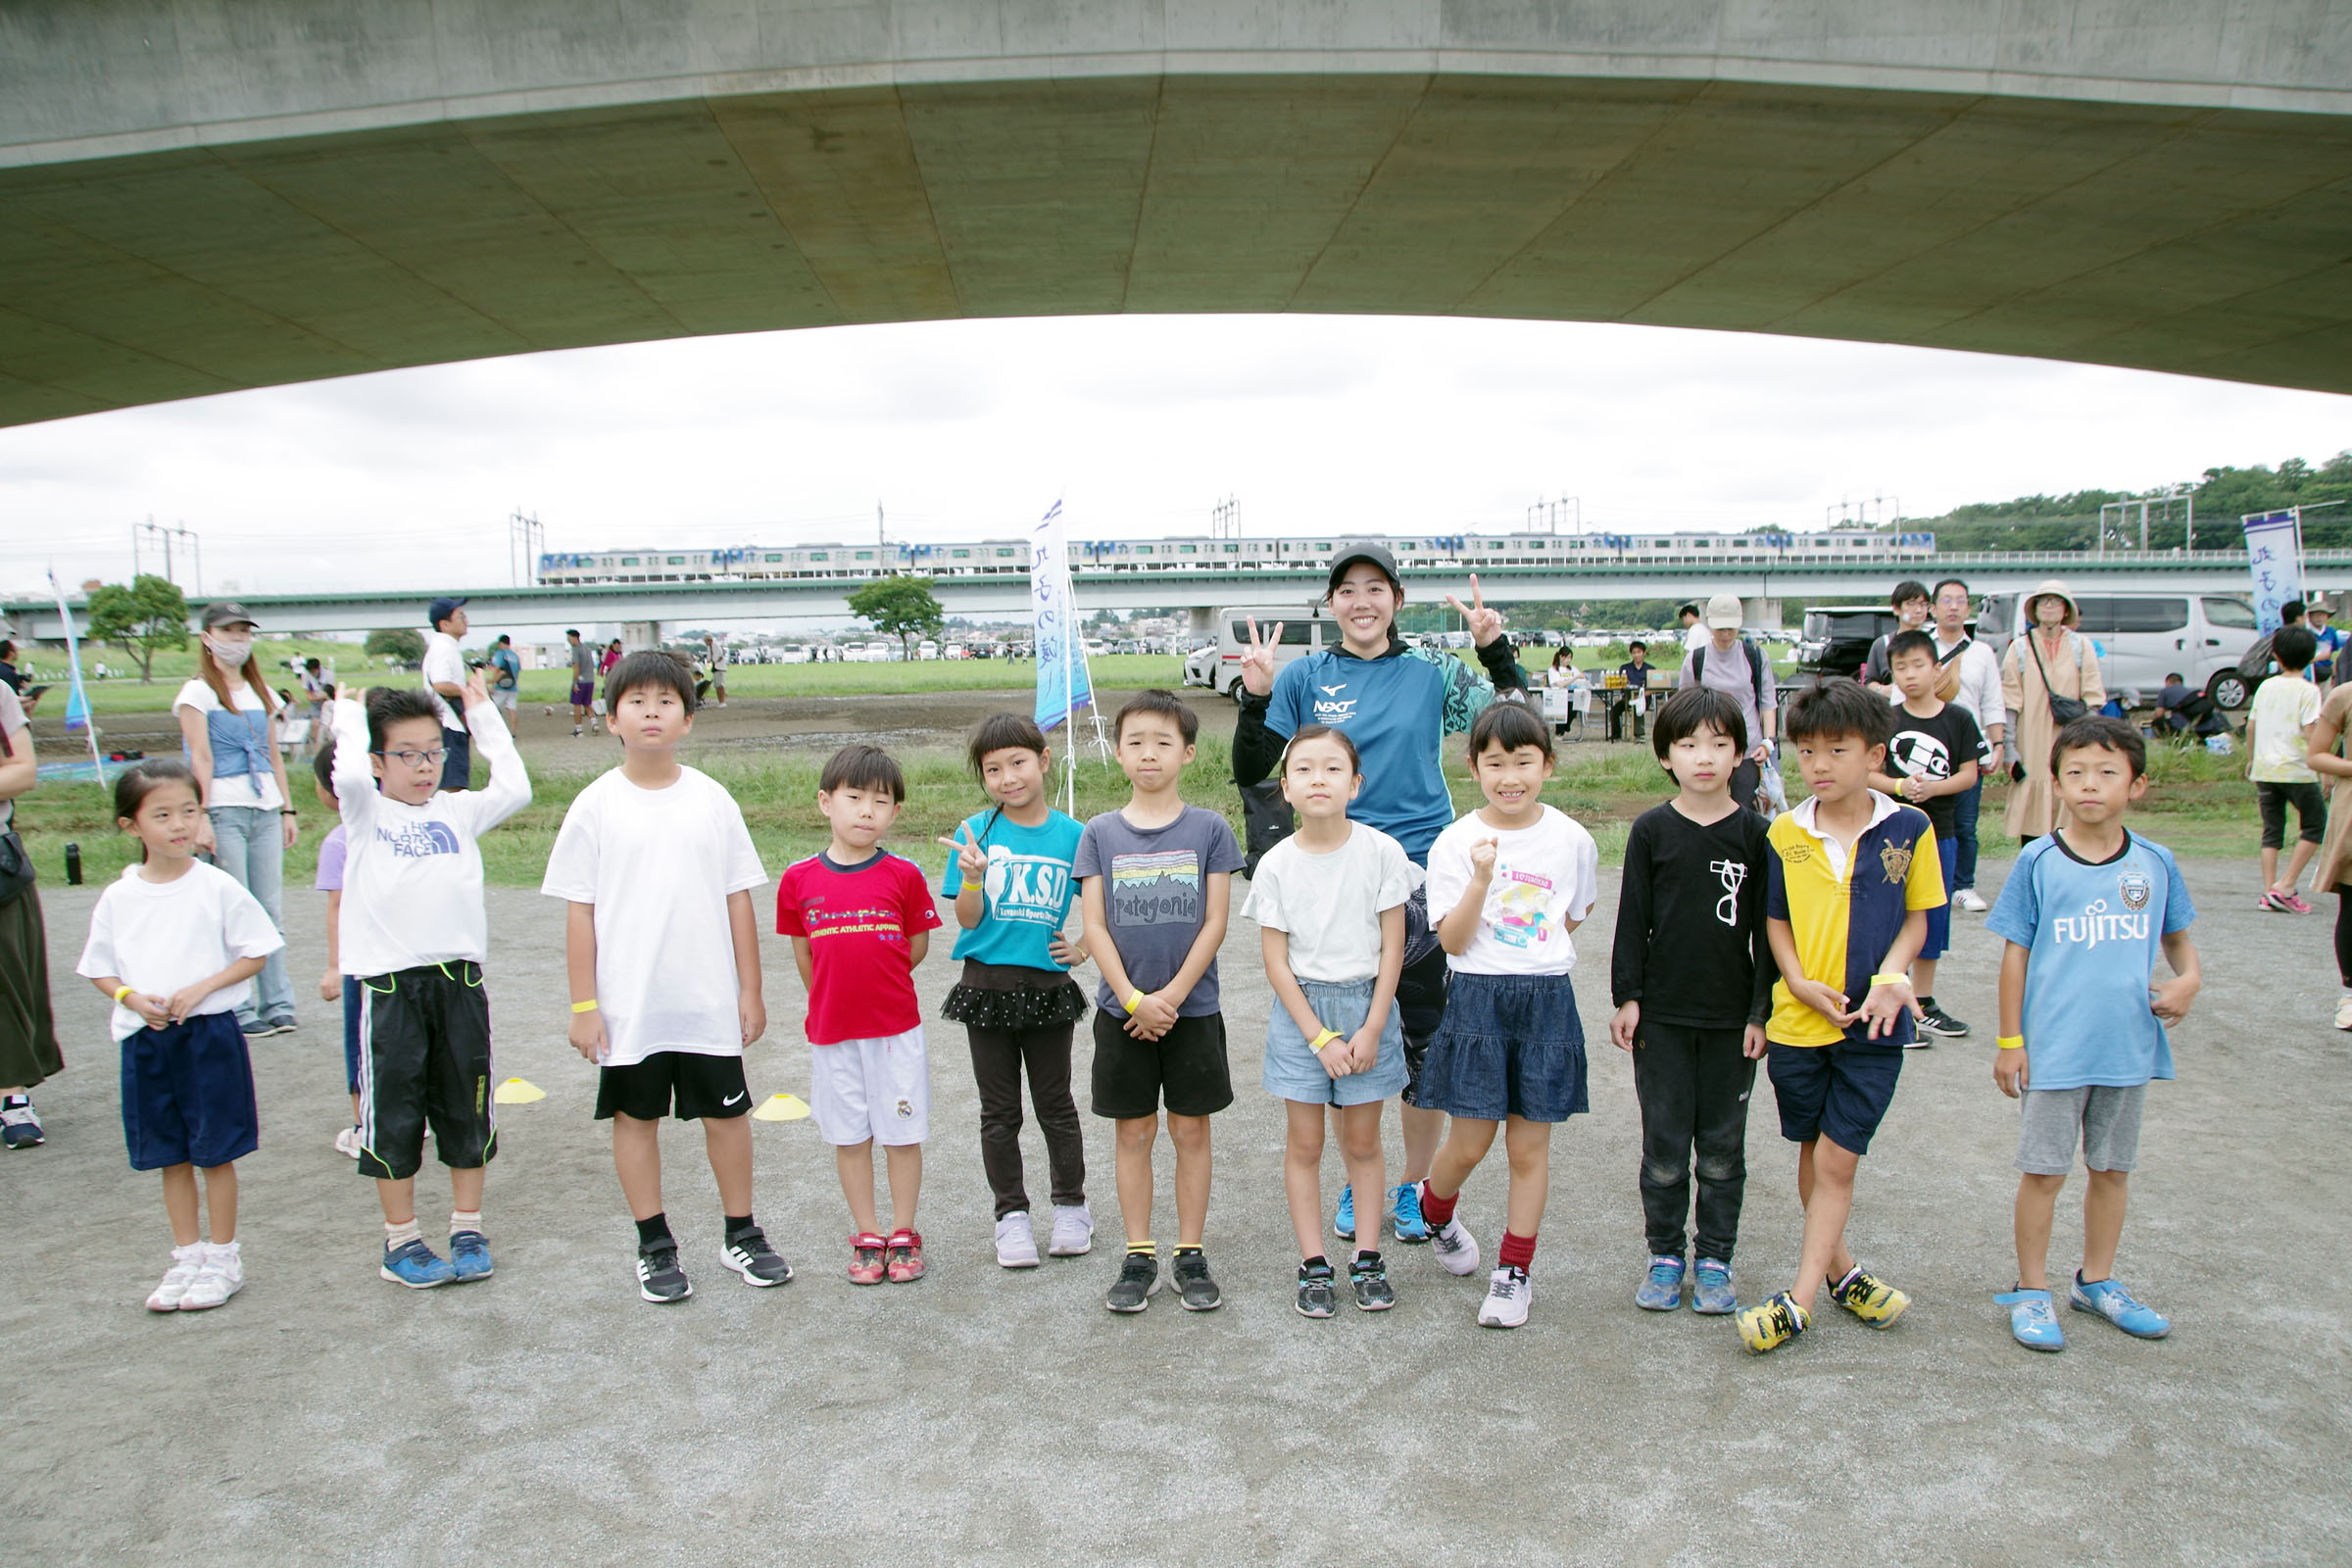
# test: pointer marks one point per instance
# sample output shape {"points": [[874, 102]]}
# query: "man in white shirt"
{"points": [[1979, 696], [444, 672]]}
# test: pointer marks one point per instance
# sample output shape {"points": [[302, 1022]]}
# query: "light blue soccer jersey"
{"points": [[1027, 888], [2095, 934]]}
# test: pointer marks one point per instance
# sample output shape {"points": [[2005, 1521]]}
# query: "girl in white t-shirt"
{"points": [[175, 945], [1506, 885], [1330, 901]]}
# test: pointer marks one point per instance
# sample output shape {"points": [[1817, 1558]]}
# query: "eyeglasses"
{"points": [[415, 759]]}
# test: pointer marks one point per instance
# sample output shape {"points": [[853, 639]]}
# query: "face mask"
{"points": [[231, 652]]}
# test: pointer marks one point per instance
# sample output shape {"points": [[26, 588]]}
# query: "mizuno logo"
{"points": [[1334, 690], [731, 1099]]}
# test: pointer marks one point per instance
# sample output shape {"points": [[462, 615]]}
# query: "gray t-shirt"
{"points": [[1726, 670], [583, 661], [1154, 896]]}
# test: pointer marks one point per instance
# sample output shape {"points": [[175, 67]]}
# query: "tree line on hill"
{"points": [[2223, 496]]}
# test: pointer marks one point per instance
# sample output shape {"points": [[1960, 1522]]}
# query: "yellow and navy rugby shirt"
{"points": [[1845, 911]]}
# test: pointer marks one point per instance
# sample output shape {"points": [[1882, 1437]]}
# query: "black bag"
{"points": [[1266, 820], [2064, 711]]}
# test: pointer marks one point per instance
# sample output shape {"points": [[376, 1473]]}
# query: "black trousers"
{"points": [[425, 1056], [999, 1058], [1694, 1085]]}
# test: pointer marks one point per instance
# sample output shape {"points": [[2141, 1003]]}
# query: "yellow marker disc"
{"points": [[518, 1092], [781, 1107]]}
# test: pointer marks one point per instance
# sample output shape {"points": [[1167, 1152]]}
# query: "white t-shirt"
{"points": [[1330, 905], [1544, 876], [160, 936], [442, 663], [2283, 706], [658, 866], [258, 788]]}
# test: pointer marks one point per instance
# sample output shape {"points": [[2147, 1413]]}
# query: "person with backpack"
{"points": [[2049, 678], [1735, 666]]}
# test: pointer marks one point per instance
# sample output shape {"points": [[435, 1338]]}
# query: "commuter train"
{"points": [[1196, 553]]}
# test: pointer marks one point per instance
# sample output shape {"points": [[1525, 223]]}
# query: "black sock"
{"points": [[654, 1232], [1316, 1261], [1365, 1254], [737, 1224], [1182, 1250], [1928, 1002]]}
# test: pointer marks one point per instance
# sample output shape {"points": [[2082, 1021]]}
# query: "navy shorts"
{"points": [[1939, 918], [187, 1095], [1837, 1092], [1511, 1046]]}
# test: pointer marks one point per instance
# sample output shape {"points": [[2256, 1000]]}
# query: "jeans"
{"points": [[1964, 830], [1693, 1086], [998, 1057], [248, 845]]}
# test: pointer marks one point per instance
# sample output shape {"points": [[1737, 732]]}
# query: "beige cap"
{"points": [[1723, 611], [2051, 587]]}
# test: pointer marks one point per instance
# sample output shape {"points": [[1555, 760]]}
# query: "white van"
{"points": [[2143, 637], [1305, 628]]}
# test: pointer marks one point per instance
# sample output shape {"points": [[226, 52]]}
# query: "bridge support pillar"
{"points": [[1204, 620], [1760, 614], [636, 635]]}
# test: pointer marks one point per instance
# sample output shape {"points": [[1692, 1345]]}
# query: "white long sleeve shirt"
{"points": [[413, 879], [1980, 682]]}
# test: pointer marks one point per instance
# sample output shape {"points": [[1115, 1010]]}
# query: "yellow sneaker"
{"points": [[1872, 1299], [1773, 1323]]}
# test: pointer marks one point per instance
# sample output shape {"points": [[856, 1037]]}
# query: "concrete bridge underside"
{"points": [[195, 199]]}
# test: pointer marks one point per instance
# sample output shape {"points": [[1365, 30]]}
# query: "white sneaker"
{"points": [[1017, 1243], [1455, 1248], [187, 1262], [2343, 1014], [347, 1142], [1509, 1294], [1968, 899], [221, 1277], [1073, 1232]]}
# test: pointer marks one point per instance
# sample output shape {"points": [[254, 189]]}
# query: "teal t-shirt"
{"points": [[1028, 888]]}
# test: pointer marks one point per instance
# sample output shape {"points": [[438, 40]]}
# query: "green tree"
{"points": [[404, 643], [900, 606], [149, 615]]}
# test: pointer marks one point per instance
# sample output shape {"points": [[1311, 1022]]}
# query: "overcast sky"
{"points": [[969, 429]]}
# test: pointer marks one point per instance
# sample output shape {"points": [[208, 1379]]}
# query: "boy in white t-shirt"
{"points": [[2284, 709], [664, 955]]}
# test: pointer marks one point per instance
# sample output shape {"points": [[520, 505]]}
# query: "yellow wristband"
{"points": [[1889, 979], [968, 886], [2012, 1042], [584, 1006], [119, 995], [1317, 1044], [1135, 1000]]}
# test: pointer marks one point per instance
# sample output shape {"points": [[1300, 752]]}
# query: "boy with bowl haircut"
{"points": [[662, 950], [861, 920], [2084, 913], [1850, 875], [412, 929], [1932, 760], [1157, 876]]}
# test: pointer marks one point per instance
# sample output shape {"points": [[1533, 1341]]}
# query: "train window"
{"points": [[1142, 550], [1322, 549], [866, 554], [1003, 554], [816, 555], [1233, 550], [629, 561], [773, 558], [676, 561], [1186, 550], [961, 555]]}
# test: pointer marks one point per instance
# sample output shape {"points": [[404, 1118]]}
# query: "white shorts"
{"points": [[503, 697], [877, 1089]]}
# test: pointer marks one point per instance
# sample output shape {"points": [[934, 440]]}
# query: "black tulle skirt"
{"points": [[1008, 999]]}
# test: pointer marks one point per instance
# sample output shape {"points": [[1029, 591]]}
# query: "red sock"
{"points": [[1437, 1210], [1518, 1251]]}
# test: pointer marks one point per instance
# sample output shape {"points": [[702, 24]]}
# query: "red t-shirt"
{"points": [[856, 919]]}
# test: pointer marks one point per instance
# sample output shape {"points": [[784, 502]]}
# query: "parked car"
{"points": [[2143, 637], [1305, 628], [1835, 640]]}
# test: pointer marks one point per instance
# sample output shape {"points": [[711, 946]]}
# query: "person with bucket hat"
{"points": [[1733, 665], [444, 672], [2049, 677]]}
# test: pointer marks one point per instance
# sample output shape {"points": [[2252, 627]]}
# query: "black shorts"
{"points": [[426, 1058], [702, 1086], [1186, 1066]]}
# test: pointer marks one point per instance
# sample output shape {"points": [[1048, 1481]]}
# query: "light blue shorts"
{"points": [[1293, 1072]]}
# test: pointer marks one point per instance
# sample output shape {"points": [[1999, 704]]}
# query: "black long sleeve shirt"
{"points": [[1691, 944]]}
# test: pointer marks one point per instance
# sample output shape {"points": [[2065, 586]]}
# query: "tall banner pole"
{"points": [[2275, 556]]}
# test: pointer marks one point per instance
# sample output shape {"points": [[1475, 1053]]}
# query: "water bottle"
{"points": [[73, 865]]}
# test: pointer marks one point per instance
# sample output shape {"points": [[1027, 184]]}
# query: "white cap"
{"points": [[1723, 611]]}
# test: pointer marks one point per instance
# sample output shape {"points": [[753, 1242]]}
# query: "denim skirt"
{"points": [[1511, 1045]]}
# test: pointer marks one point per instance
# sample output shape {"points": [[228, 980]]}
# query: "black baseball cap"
{"points": [[228, 613], [1363, 550], [439, 610]]}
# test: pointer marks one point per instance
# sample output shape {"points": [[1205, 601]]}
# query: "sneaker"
{"points": [[576, 732], [1773, 1323], [1457, 1248], [469, 1256], [1712, 1290], [868, 1263], [347, 1142], [1968, 899], [759, 1265], [660, 1279], [416, 1265], [1662, 1287], [283, 1024], [1509, 1294], [1369, 1274], [2274, 902], [187, 1262], [1343, 1224], [2032, 1322], [2115, 1304], [255, 1029], [1870, 1299], [1405, 1214], [1074, 1231], [21, 1126], [220, 1276], [1941, 1023], [906, 1264], [1318, 1292], [2296, 902], [1017, 1242], [2343, 1017], [1138, 1281], [1195, 1292]]}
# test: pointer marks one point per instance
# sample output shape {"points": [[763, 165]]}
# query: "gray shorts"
{"points": [[2104, 1121]]}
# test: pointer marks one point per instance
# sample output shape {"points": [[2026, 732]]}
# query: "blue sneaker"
{"points": [[1343, 1224], [1712, 1290], [1404, 1212], [417, 1265], [469, 1256], [1662, 1290], [2032, 1321], [2115, 1304]]}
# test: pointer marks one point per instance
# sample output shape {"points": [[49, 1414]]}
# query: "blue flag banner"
{"points": [[2275, 555], [1062, 686], [78, 701]]}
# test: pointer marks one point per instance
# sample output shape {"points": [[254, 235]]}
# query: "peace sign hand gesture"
{"points": [[970, 858], [1483, 624], [1257, 664]]}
